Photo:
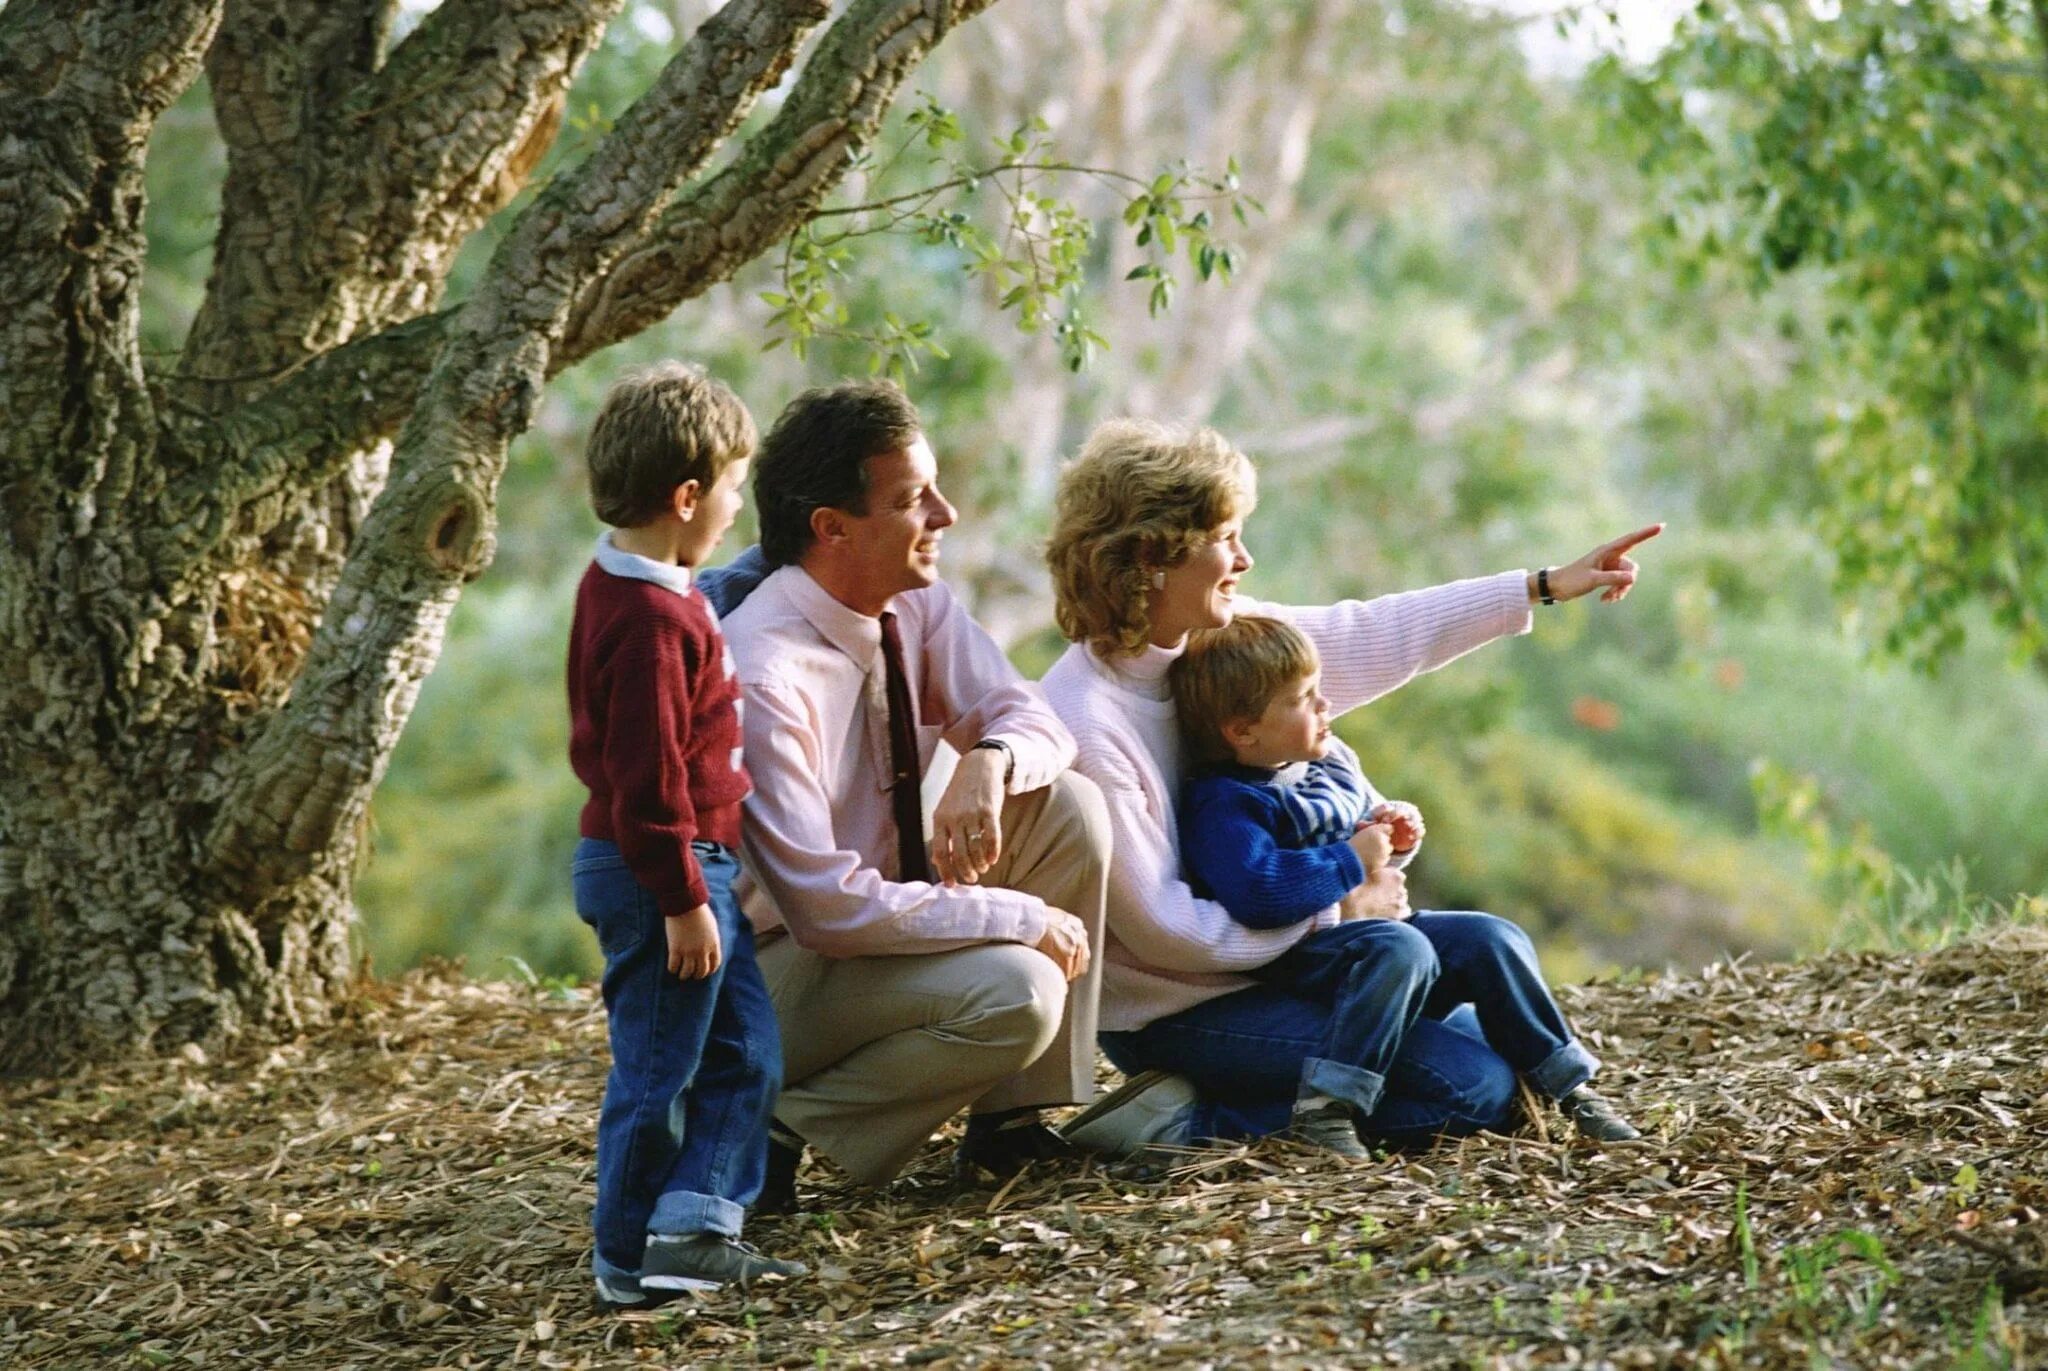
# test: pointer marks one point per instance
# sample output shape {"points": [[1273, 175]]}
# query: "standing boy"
{"points": [[655, 736]]}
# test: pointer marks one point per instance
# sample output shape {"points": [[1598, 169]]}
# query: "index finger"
{"points": [[1629, 540]]}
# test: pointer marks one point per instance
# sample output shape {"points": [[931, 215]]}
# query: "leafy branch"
{"points": [[1035, 261]]}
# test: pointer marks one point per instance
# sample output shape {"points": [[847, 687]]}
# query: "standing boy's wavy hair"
{"points": [[659, 428], [1233, 673]]}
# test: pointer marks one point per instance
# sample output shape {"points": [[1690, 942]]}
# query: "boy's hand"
{"points": [[1374, 844], [1403, 820], [693, 950], [1382, 895]]}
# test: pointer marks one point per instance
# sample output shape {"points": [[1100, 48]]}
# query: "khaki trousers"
{"points": [[878, 1052]]}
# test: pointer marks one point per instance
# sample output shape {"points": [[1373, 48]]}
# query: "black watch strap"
{"points": [[1009, 757], [1543, 587]]}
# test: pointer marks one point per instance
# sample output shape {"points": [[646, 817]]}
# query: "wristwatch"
{"points": [[1009, 757]]}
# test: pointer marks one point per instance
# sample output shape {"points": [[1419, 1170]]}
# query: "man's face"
{"points": [[896, 542]]}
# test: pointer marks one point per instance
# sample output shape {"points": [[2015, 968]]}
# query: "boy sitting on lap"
{"points": [[1278, 823]]}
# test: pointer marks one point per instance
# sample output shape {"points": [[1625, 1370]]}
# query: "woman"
{"points": [[1147, 547]]}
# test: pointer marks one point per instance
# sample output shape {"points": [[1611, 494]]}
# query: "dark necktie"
{"points": [[904, 780]]}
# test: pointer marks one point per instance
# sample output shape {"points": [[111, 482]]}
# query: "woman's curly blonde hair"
{"points": [[1139, 498]]}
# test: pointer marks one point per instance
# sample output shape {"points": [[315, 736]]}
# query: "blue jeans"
{"points": [[682, 1138], [1380, 977], [1244, 1053]]}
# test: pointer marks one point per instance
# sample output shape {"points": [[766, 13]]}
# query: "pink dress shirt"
{"points": [[820, 838]]}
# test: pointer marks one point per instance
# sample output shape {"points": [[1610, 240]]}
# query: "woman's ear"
{"points": [[683, 500]]}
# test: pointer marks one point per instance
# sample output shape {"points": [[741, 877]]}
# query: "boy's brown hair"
{"points": [[1232, 673], [658, 428]]}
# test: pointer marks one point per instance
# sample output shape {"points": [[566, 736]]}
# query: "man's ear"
{"points": [[828, 525], [683, 500]]}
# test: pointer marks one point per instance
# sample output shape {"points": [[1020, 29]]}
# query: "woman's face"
{"points": [[1198, 593]]}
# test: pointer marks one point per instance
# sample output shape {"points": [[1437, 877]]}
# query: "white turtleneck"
{"points": [[1168, 949]]}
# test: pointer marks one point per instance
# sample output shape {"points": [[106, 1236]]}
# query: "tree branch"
{"points": [[80, 88], [779, 178], [344, 401], [309, 774], [301, 432], [352, 179]]}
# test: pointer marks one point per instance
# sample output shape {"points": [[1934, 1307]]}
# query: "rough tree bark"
{"points": [[220, 588]]}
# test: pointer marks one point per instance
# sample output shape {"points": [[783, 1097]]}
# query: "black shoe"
{"points": [[1595, 1118], [709, 1261], [1328, 1127], [1003, 1152], [778, 1187]]}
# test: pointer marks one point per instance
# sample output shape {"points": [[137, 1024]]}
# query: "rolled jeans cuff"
{"points": [[1354, 1085], [682, 1212], [1564, 1070]]}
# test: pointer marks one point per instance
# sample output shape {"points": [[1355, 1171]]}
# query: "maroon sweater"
{"points": [[654, 730]]}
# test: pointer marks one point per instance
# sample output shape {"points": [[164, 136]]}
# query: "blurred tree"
{"points": [[1891, 149]]}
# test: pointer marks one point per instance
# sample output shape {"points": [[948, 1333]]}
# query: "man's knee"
{"points": [[1017, 999]]}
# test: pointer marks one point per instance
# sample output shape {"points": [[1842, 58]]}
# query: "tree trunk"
{"points": [[220, 593]]}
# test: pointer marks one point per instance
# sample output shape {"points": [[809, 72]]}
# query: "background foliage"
{"points": [[1781, 285]]}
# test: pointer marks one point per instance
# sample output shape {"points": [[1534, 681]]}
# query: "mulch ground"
{"points": [[1849, 1166]]}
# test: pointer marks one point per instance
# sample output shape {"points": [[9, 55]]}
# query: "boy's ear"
{"points": [[683, 499], [1240, 733]]}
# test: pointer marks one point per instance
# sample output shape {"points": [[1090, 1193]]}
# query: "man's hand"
{"points": [[1374, 844], [693, 951], [1382, 895], [1607, 569], [1066, 942], [1403, 821], [967, 826]]}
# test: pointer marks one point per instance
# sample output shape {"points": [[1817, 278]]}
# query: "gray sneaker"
{"points": [[1328, 1127], [1595, 1118], [1151, 1109], [707, 1261]]}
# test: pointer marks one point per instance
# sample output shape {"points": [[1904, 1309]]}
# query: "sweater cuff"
{"points": [[1349, 866], [691, 893]]}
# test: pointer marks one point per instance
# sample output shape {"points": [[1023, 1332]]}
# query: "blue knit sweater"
{"points": [[1273, 854]]}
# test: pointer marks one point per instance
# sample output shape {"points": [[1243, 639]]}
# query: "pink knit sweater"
{"points": [[1168, 949]]}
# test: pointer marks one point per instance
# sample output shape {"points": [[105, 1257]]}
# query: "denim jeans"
{"points": [[682, 1137], [1420, 1025], [1380, 977], [1244, 1053]]}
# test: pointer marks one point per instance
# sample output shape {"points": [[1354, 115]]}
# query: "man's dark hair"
{"points": [[815, 458]]}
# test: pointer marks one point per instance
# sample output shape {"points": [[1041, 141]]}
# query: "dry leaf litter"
{"points": [[1848, 1165]]}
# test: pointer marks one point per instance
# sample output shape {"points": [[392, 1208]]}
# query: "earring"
{"points": [[1159, 580]]}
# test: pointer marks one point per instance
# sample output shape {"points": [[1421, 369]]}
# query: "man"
{"points": [[912, 979]]}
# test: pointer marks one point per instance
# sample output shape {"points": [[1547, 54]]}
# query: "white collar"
{"points": [[616, 560]]}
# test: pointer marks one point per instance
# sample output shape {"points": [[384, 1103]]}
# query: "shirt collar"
{"points": [[618, 562], [857, 635]]}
